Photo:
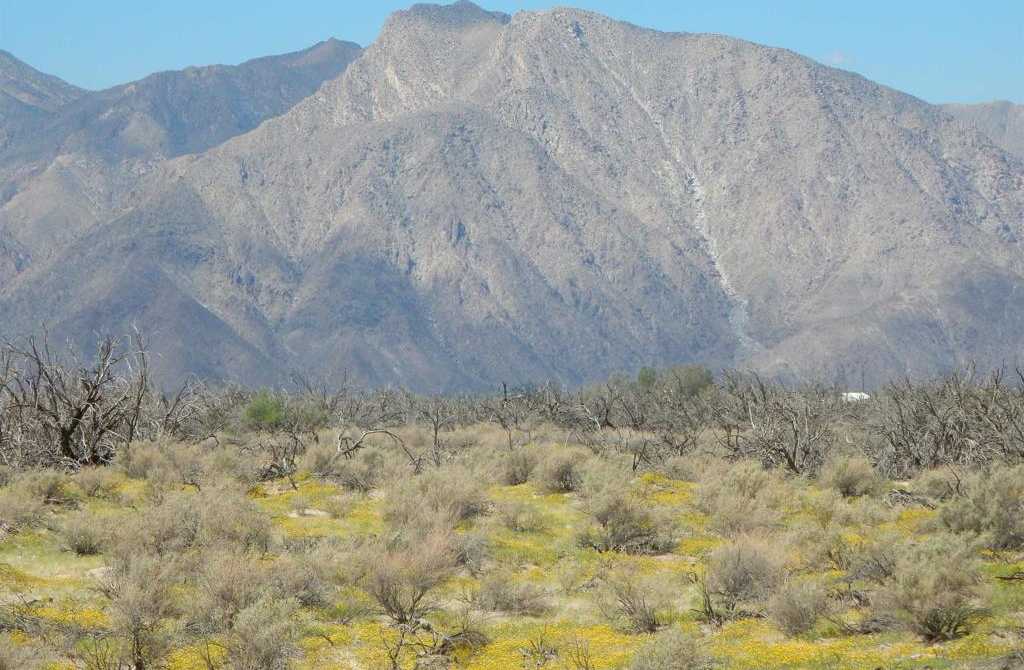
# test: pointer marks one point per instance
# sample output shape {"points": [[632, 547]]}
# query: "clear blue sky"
{"points": [[939, 50]]}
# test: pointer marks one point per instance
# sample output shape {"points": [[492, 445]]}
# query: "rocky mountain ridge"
{"points": [[557, 195]]}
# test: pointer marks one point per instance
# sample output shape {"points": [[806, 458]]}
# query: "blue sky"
{"points": [[939, 50]]}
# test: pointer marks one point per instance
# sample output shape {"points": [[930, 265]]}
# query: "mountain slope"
{"points": [[558, 195], [1001, 120], [71, 169]]}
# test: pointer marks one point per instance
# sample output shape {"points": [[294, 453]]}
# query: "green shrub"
{"points": [[264, 412], [671, 649]]}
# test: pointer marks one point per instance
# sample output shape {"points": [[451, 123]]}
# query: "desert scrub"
{"points": [[991, 506], [521, 517], [795, 608], [453, 492], [264, 635], [934, 589], [851, 476], [97, 482], [626, 524], [631, 602], [501, 591], [560, 469], [401, 573], [518, 466], [84, 533], [671, 649], [743, 573], [741, 498]]}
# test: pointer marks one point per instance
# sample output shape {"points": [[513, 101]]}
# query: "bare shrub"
{"points": [[743, 573], [671, 649], [228, 516], [502, 592], [740, 498], [795, 608], [227, 584], [851, 476], [19, 511], [308, 577]]}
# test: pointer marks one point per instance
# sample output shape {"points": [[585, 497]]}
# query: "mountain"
{"points": [[26, 96], [556, 195], [78, 164], [1001, 120]]}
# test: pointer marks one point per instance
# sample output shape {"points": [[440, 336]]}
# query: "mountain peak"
{"points": [[32, 87], [455, 16]]}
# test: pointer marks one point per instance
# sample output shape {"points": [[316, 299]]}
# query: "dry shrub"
{"points": [[6, 475], [795, 608], [518, 466], [264, 635], [19, 656], [939, 484], [630, 602], [401, 573], [560, 469], [19, 511], [97, 482], [934, 590], [741, 498], [851, 476], [472, 550], [309, 577], [46, 486], [626, 524], [169, 527], [671, 649], [502, 592], [452, 492], [992, 507], [363, 472], [227, 584], [521, 517], [229, 516], [84, 534], [141, 604], [744, 572]]}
